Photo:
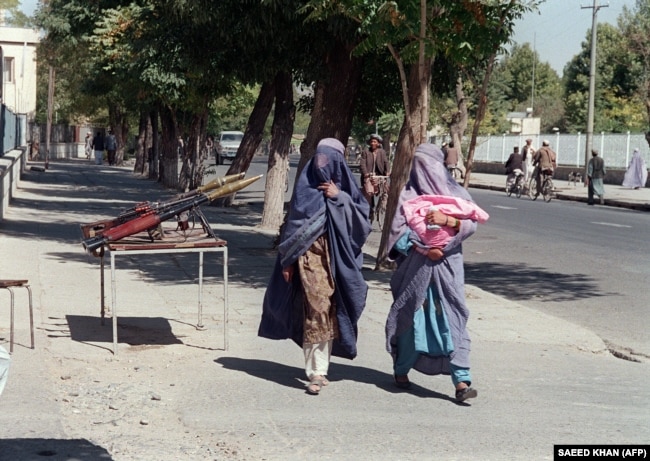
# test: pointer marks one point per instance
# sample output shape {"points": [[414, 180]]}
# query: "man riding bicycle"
{"points": [[545, 161], [514, 166], [451, 157], [374, 161]]}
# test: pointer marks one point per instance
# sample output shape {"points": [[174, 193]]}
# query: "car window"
{"points": [[231, 137]]}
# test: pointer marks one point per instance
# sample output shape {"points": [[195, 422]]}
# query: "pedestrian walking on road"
{"points": [[595, 173], [317, 292], [88, 144], [637, 172], [111, 147], [98, 146], [426, 329]]}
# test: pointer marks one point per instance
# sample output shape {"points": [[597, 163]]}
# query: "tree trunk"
{"points": [[252, 137], [153, 157], [278, 169], [120, 126], [480, 115], [169, 148], [194, 157], [334, 99], [410, 136], [647, 106], [141, 149], [50, 110], [458, 123]]}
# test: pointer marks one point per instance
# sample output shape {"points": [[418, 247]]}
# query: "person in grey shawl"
{"points": [[317, 292], [426, 326]]}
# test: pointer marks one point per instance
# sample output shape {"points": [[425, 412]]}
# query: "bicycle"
{"points": [[517, 186], [547, 189], [383, 184], [547, 186], [455, 172]]}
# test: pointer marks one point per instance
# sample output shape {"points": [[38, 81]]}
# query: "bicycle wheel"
{"points": [[532, 189], [508, 188], [380, 211], [547, 190]]}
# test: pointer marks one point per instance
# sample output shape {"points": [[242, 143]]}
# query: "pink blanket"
{"points": [[416, 211]]}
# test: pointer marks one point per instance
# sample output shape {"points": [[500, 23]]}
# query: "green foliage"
{"points": [[619, 80], [13, 16], [511, 87], [198, 54]]}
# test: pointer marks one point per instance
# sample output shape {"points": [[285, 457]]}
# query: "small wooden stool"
{"points": [[10, 285]]}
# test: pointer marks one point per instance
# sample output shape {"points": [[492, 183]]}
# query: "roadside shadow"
{"points": [[519, 282], [134, 331], [52, 450], [294, 377]]}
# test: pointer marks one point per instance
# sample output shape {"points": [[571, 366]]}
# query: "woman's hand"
{"points": [[287, 273], [437, 217], [329, 189], [435, 254]]}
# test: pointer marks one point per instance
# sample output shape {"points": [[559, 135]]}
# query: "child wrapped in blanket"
{"points": [[434, 236]]}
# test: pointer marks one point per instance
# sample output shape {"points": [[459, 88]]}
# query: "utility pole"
{"points": [[532, 91], [592, 80]]}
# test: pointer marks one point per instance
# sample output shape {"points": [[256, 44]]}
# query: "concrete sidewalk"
{"points": [[173, 393]]}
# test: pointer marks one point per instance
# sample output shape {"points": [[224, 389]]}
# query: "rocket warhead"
{"points": [[219, 182], [231, 187]]}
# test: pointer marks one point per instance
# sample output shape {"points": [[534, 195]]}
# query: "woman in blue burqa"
{"points": [[317, 292], [426, 326]]}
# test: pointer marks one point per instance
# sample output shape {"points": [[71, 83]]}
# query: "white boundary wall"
{"points": [[616, 149]]}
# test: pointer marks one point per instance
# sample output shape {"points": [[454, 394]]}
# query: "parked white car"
{"points": [[228, 145]]}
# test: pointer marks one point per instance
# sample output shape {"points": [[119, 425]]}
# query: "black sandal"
{"points": [[466, 393], [402, 381]]}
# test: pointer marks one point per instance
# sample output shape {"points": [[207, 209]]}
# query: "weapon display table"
{"points": [[193, 241]]}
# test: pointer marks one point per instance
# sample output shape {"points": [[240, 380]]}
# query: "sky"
{"points": [[556, 31]]}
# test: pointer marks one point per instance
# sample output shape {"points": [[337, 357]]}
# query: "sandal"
{"points": [[466, 393], [316, 383], [402, 381]]}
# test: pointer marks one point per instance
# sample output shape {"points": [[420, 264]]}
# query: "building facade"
{"points": [[18, 52]]}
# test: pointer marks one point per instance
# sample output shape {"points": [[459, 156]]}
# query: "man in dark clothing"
{"points": [[514, 166], [98, 146], [111, 147], [595, 173], [374, 161]]}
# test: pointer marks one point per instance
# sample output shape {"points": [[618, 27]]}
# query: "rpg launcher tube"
{"points": [[153, 218], [140, 209]]}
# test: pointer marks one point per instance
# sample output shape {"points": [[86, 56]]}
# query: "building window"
{"points": [[8, 70]]}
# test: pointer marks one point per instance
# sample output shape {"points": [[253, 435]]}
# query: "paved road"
{"points": [[580, 263]]}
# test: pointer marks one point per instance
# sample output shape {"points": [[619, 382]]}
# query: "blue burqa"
{"points": [[345, 220], [416, 273]]}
